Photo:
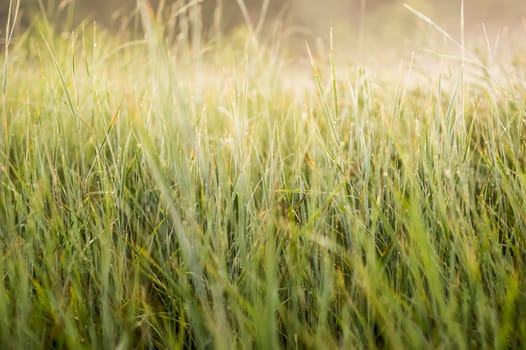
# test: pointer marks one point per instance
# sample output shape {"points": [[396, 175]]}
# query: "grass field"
{"points": [[157, 194]]}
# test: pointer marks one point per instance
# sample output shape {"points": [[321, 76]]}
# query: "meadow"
{"points": [[172, 191]]}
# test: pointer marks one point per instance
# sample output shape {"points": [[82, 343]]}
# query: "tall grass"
{"points": [[180, 196]]}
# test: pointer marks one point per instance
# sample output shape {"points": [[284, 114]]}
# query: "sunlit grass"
{"points": [[168, 196]]}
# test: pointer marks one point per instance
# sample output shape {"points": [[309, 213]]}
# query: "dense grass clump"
{"points": [[210, 196]]}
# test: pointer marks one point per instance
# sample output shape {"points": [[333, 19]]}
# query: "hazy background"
{"points": [[313, 15], [361, 27]]}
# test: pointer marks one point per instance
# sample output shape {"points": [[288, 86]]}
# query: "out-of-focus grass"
{"points": [[169, 196]]}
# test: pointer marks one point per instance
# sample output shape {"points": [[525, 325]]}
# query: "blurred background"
{"points": [[360, 26], [312, 15]]}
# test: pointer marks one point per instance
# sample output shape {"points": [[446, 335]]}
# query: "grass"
{"points": [[200, 195]]}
